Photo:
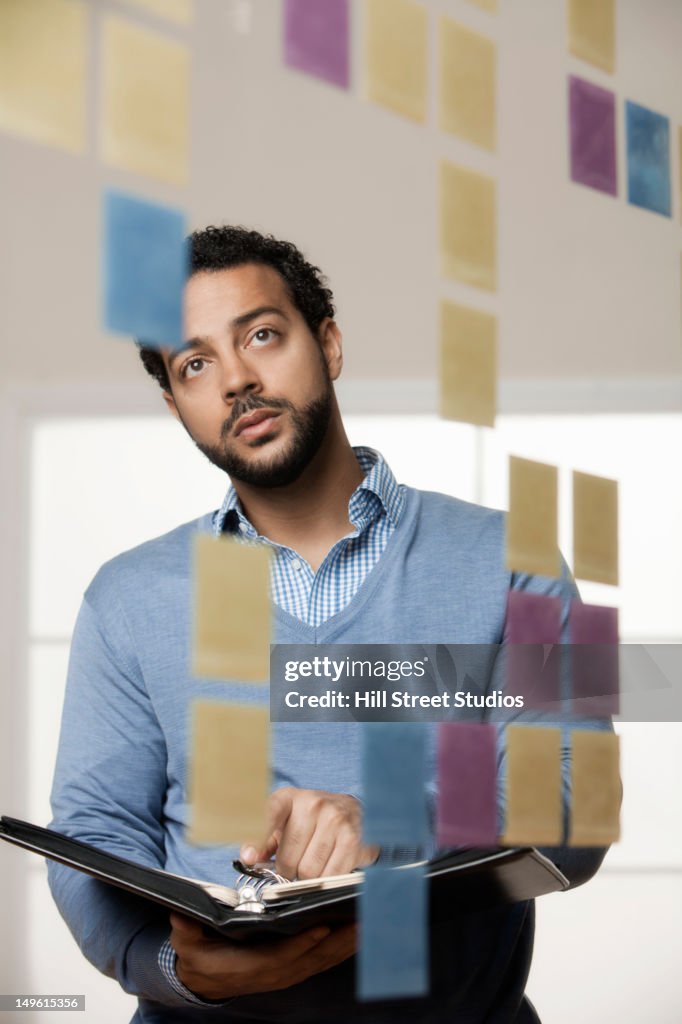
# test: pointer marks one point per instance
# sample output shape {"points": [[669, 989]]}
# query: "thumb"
{"points": [[185, 926], [251, 853], [278, 809]]}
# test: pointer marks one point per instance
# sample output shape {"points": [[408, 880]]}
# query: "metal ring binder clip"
{"points": [[248, 898], [250, 885]]}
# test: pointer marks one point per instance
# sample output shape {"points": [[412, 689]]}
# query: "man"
{"points": [[357, 559]]}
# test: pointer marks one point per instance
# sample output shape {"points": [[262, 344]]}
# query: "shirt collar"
{"points": [[379, 491], [380, 483]]}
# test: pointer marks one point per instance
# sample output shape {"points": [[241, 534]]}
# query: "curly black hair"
{"points": [[219, 248]]}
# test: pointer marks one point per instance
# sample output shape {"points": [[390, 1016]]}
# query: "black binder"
{"points": [[459, 882]]}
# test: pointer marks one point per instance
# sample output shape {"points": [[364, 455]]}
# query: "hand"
{"points": [[313, 834], [214, 968]]}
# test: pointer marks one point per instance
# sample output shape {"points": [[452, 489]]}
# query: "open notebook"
{"points": [[460, 882]]}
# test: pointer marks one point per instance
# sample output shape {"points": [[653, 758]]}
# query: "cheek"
{"points": [[297, 380], [201, 418]]}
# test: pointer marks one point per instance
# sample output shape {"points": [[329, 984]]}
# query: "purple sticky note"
{"points": [[316, 34], [467, 784], [592, 116], [533, 633], [594, 659]]}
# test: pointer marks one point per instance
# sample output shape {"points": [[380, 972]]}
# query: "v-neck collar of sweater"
{"points": [[331, 627]]}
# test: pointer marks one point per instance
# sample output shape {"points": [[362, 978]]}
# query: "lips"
{"points": [[248, 424]]}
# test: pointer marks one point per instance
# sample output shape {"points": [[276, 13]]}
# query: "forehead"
{"points": [[213, 298]]}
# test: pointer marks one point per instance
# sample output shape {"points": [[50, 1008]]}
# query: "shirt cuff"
{"points": [[167, 961]]}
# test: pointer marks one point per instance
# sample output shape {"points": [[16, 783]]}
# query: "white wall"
{"points": [[589, 285]]}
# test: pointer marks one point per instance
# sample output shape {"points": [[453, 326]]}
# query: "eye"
{"points": [[263, 336], [192, 367]]}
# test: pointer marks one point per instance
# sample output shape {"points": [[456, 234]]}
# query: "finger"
{"points": [[368, 855], [286, 962], [290, 950], [344, 856], [250, 853], [186, 935], [337, 947], [296, 835], [340, 863], [185, 926], [279, 808], [300, 944], [317, 853], [277, 812]]}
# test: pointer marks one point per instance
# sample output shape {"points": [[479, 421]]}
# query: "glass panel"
{"points": [[422, 451], [100, 486], [104, 485], [651, 767]]}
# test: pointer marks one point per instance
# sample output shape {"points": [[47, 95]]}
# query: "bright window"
{"points": [[102, 485]]}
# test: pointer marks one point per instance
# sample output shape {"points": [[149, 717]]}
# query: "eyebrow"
{"points": [[252, 314], [238, 321]]}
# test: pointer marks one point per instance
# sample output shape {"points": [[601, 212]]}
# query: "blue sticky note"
{"points": [[394, 776], [393, 959], [648, 147], [145, 269]]}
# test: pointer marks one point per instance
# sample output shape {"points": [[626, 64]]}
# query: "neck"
{"points": [[310, 514]]}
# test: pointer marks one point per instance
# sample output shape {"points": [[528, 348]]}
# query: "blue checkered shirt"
{"points": [[374, 511]]}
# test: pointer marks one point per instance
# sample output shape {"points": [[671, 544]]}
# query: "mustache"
{"points": [[243, 408]]}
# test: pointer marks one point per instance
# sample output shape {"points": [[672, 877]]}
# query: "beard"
{"points": [[309, 425]]}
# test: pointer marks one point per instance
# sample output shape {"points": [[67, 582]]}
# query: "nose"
{"points": [[238, 377]]}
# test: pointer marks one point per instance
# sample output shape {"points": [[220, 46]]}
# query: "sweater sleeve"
{"points": [[109, 789], [579, 864]]}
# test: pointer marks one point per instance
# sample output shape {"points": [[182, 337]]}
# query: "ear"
{"points": [[331, 344], [170, 404]]}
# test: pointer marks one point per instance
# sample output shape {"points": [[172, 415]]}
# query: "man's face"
{"points": [[253, 386]]}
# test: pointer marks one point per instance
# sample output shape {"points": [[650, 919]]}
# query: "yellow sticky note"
{"points": [[533, 808], [595, 528], [43, 65], [596, 789], [228, 772], [468, 365], [145, 102], [486, 5], [592, 32], [397, 61], [179, 11], [466, 72], [232, 612], [532, 522], [468, 226]]}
